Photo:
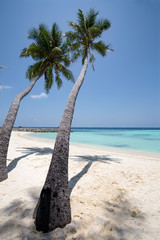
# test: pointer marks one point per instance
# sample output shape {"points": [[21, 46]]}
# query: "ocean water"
{"points": [[145, 140]]}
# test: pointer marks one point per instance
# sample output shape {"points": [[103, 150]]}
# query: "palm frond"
{"points": [[44, 40], [76, 55], [83, 55], [92, 59], [100, 47], [109, 49], [56, 50], [48, 79], [81, 20], [65, 45], [94, 32], [55, 29], [91, 18], [65, 72], [77, 28], [58, 54], [43, 27], [33, 34], [72, 37], [75, 47], [85, 31], [68, 75], [103, 24], [66, 60], [56, 35], [35, 70], [58, 80], [51, 53], [23, 53], [34, 51]]}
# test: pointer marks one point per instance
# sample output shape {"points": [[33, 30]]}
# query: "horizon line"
{"points": [[83, 127]]}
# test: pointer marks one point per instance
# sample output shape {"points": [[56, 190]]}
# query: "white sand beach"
{"points": [[115, 194]]}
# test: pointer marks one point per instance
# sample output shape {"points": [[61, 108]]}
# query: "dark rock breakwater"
{"points": [[35, 130]]}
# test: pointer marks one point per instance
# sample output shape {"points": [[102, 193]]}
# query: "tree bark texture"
{"points": [[7, 129], [57, 177]]}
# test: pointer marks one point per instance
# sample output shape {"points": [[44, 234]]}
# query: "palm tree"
{"points": [[53, 208], [49, 52]]}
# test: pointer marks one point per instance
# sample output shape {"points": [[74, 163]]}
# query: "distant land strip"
{"points": [[21, 129]]}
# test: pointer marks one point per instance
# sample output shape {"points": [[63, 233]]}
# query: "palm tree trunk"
{"points": [[7, 129], [53, 208]]}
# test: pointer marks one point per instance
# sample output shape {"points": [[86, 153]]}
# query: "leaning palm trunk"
{"points": [[7, 128], [53, 209]]}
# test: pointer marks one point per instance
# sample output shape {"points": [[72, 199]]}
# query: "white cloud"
{"points": [[42, 95], [4, 87], [1, 67]]}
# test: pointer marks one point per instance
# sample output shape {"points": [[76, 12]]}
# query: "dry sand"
{"points": [[115, 195]]}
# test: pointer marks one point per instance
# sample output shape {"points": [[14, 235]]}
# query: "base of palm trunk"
{"points": [[53, 210], [3, 175]]}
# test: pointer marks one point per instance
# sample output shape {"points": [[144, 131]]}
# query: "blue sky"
{"points": [[124, 90]]}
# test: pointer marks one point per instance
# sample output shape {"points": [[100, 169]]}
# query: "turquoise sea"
{"points": [[138, 139]]}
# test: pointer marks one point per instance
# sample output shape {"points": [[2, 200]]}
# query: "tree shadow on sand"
{"points": [[17, 222], [27, 152], [90, 159], [121, 220]]}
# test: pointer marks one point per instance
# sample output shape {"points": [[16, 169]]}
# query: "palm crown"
{"points": [[50, 52], [85, 32]]}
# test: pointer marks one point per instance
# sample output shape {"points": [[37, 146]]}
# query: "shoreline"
{"points": [[118, 151], [113, 195]]}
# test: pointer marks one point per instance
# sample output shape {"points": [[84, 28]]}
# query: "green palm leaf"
{"points": [[77, 28], [103, 24], [94, 32], [24, 53], [83, 55], [100, 47], [73, 36], [64, 71], [35, 70], [48, 79], [36, 52], [50, 53], [56, 35], [92, 59], [76, 55], [81, 20], [33, 34], [58, 80], [75, 46], [91, 18], [85, 31], [66, 60]]}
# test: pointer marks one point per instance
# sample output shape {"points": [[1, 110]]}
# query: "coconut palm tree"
{"points": [[50, 53], [53, 208]]}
